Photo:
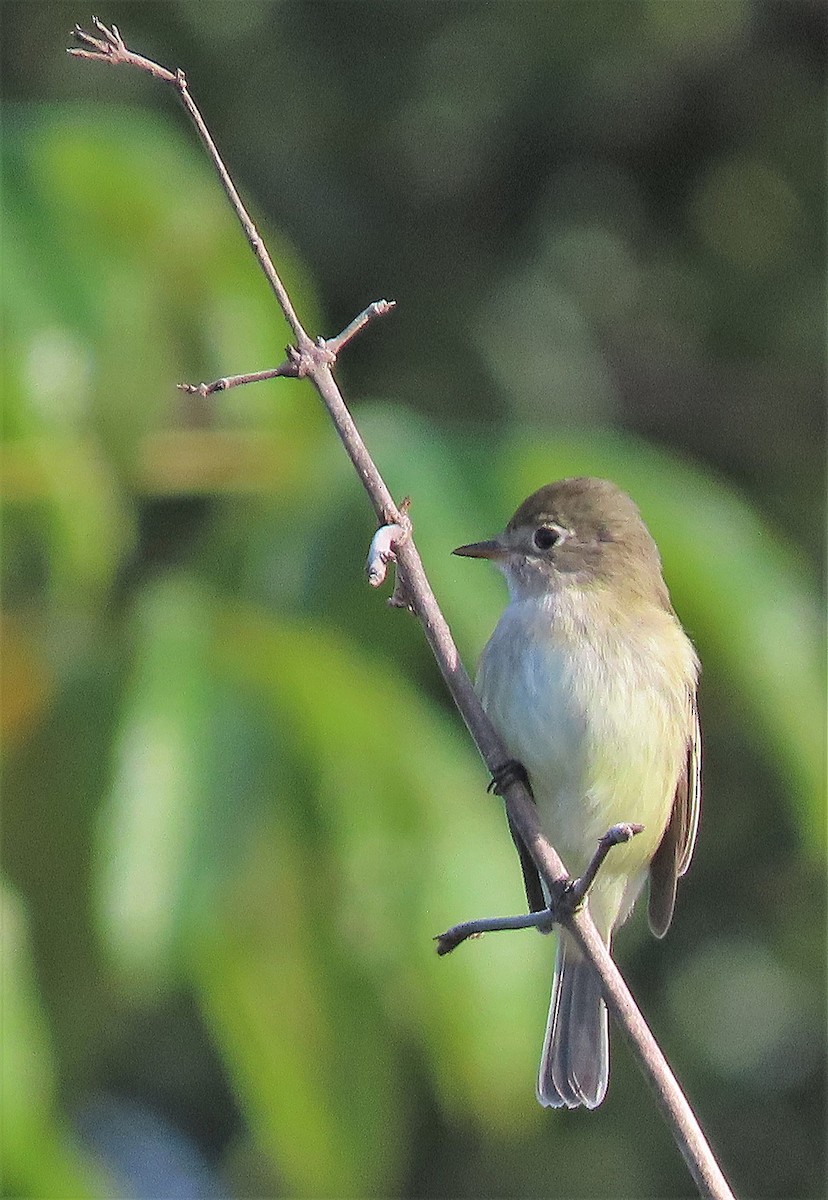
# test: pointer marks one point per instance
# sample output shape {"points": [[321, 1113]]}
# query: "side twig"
{"points": [[544, 918], [232, 381], [578, 889], [294, 365], [379, 308], [314, 360]]}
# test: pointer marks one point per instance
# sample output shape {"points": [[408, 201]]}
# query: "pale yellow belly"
{"points": [[600, 725]]}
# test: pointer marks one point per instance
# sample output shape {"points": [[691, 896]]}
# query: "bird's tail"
{"points": [[574, 1067]]}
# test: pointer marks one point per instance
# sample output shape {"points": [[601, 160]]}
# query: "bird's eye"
{"points": [[546, 537]]}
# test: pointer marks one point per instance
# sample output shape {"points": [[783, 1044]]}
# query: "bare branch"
{"points": [[571, 898], [544, 919], [110, 48], [315, 360], [284, 370], [295, 366], [379, 308], [576, 893]]}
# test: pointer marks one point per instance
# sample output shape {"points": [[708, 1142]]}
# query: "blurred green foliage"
{"points": [[237, 806]]}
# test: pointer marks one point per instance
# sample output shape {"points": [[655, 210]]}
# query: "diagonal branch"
{"points": [[109, 47], [314, 360]]}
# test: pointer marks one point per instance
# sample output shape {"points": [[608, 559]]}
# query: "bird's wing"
{"points": [[672, 858]]}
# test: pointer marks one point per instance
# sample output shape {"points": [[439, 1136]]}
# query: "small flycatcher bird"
{"points": [[591, 682]]}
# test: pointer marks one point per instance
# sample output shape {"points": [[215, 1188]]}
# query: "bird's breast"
{"points": [[597, 714]]}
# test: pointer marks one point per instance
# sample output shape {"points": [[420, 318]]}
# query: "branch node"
{"points": [[309, 357], [299, 361], [322, 353], [110, 45], [575, 893], [571, 897]]}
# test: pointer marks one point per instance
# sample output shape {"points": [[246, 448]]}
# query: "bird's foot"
{"points": [[509, 772]]}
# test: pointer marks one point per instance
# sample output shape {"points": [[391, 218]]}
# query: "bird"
{"points": [[591, 682]]}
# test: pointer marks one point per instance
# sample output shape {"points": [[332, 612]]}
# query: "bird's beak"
{"points": [[491, 549]]}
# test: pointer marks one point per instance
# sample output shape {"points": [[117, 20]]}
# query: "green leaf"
{"points": [[331, 922], [39, 1155], [111, 217], [149, 871]]}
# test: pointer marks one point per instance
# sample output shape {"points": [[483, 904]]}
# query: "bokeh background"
{"points": [[236, 803]]}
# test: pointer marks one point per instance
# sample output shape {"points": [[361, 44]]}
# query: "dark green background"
{"points": [[236, 803]]}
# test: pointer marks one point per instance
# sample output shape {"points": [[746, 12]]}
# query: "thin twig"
{"points": [[285, 369], [379, 308], [315, 361], [110, 48], [571, 899], [577, 891], [293, 366], [544, 919]]}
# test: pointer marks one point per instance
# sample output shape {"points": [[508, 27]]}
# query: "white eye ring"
{"points": [[547, 536]]}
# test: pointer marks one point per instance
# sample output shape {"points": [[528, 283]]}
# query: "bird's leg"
{"points": [[508, 772], [535, 895]]}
